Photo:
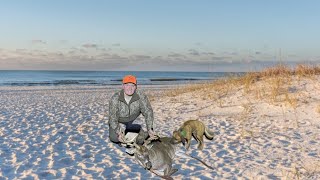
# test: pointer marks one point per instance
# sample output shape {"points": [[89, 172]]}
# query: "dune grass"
{"points": [[273, 85]]}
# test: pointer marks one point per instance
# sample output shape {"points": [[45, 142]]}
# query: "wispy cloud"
{"points": [[221, 58], [116, 44], [38, 41], [90, 45], [140, 57], [194, 52], [199, 44], [176, 55], [208, 53], [94, 56]]}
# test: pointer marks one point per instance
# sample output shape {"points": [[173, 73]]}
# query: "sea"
{"points": [[100, 78]]}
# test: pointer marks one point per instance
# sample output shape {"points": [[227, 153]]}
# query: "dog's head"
{"points": [[178, 136]]}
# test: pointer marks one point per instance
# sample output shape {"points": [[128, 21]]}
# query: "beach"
{"points": [[263, 130]]}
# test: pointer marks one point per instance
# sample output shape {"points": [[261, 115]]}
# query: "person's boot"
{"points": [[141, 137], [130, 151]]}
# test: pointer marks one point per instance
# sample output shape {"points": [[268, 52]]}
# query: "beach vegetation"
{"points": [[280, 86], [293, 173], [274, 84], [311, 167]]}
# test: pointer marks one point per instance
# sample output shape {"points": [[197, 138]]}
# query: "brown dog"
{"points": [[191, 128]]}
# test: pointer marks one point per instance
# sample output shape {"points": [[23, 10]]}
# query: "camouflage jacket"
{"points": [[121, 112]]}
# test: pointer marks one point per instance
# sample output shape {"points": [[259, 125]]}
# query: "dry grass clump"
{"points": [[318, 109], [306, 70], [220, 85], [273, 84], [279, 70], [311, 167], [285, 71]]}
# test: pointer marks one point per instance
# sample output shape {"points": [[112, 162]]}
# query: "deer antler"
{"points": [[148, 141]]}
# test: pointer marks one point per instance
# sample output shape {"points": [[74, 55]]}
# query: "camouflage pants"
{"points": [[130, 127]]}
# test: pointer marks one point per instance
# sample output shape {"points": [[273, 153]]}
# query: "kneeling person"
{"points": [[124, 107]]}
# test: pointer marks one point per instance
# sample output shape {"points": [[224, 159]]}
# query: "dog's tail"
{"points": [[208, 134]]}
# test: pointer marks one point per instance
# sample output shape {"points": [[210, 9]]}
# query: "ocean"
{"points": [[98, 78]]}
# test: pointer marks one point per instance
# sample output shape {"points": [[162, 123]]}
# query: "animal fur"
{"points": [[157, 156], [191, 128]]}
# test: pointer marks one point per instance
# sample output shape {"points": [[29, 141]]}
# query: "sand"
{"points": [[61, 132]]}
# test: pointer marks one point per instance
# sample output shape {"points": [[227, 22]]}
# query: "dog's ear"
{"points": [[174, 131]]}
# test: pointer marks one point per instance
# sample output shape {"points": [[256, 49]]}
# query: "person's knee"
{"points": [[141, 137], [114, 139], [113, 136]]}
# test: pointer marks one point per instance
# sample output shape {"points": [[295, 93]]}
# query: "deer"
{"points": [[157, 155]]}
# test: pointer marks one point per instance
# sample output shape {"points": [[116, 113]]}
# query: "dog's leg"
{"points": [[187, 144], [188, 136], [200, 140]]}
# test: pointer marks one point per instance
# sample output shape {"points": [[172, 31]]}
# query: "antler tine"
{"points": [[135, 145], [149, 140], [128, 143]]}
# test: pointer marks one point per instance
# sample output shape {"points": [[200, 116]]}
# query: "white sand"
{"points": [[62, 133]]}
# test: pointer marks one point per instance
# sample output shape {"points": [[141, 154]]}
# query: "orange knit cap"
{"points": [[129, 79]]}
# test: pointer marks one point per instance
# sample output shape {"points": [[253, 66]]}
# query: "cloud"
{"points": [[258, 53], [141, 57], [21, 50], [116, 44], [194, 52], [292, 55], [208, 53], [103, 49], [89, 45], [38, 41], [176, 55], [198, 44], [221, 58]]}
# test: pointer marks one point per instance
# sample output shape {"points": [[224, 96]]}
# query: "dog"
{"points": [[191, 128]]}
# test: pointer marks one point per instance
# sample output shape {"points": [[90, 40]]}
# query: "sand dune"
{"points": [[62, 133]]}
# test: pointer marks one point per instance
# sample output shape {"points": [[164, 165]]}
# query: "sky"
{"points": [[150, 35]]}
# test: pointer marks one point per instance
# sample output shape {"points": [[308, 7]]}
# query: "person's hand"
{"points": [[152, 135]]}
